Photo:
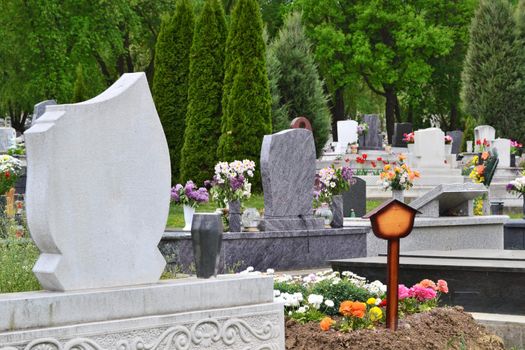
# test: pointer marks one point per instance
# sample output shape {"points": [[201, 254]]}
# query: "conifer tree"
{"points": [[203, 120], [246, 96], [80, 90], [170, 82], [300, 89], [492, 89]]}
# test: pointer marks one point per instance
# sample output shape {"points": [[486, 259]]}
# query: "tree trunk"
{"points": [[453, 117], [410, 114], [390, 114], [338, 110], [397, 110]]}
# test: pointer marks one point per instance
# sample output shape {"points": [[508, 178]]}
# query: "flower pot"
{"points": [[188, 216], [206, 237], [410, 147], [448, 148], [512, 160], [399, 195], [337, 211], [325, 213], [234, 216]]}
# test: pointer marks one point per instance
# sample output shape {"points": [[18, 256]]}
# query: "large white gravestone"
{"points": [[346, 134], [98, 189], [502, 146], [486, 132], [429, 148], [7, 138]]}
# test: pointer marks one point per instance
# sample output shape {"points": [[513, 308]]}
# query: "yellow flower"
{"points": [[402, 157], [371, 301], [387, 167], [375, 314], [398, 169]]}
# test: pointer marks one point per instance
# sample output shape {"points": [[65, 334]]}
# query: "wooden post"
{"points": [[392, 284]]}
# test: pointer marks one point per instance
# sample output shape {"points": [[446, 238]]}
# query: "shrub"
{"points": [[17, 258]]}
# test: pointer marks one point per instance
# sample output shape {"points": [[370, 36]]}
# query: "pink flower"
{"points": [[421, 293], [442, 286], [403, 292]]}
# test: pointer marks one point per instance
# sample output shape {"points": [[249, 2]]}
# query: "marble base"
{"points": [[291, 223], [280, 250], [230, 312], [514, 232]]}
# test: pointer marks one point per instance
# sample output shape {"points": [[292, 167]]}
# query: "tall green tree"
{"points": [[388, 44], [170, 82], [493, 90], [299, 87], [80, 90], [246, 98], [203, 120]]}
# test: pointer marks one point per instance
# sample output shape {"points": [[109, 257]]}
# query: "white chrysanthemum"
{"points": [[315, 300], [329, 303]]}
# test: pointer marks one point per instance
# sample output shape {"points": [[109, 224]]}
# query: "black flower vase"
{"points": [[234, 214], [337, 211], [206, 236], [512, 160]]}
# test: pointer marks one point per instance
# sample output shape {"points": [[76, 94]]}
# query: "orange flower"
{"points": [[417, 174], [485, 155], [442, 286], [386, 167], [352, 308], [411, 176], [402, 157], [426, 283], [397, 169], [326, 323], [480, 169]]}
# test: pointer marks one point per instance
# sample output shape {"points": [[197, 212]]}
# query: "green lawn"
{"points": [[176, 217]]}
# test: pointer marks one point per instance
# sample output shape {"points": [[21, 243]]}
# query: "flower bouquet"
{"points": [[362, 129], [482, 145], [517, 186], [408, 138], [189, 196], [10, 170], [332, 183], [230, 186], [448, 140], [398, 176], [515, 147]]}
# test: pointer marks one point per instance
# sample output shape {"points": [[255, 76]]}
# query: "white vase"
{"points": [[448, 148], [399, 195], [188, 217]]}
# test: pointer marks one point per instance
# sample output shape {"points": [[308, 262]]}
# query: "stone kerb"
{"points": [[98, 189]]}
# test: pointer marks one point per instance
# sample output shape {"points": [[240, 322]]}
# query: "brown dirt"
{"points": [[441, 328]]}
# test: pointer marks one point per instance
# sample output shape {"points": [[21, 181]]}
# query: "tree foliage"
{"points": [[246, 95], [170, 82], [80, 90], [296, 83], [203, 120], [493, 73], [43, 41]]}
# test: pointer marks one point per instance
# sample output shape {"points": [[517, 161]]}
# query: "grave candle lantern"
{"points": [[392, 221]]}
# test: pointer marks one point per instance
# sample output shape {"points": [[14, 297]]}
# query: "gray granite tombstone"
{"points": [[40, 108], [372, 140], [288, 177], [399, 130], [355, 199], [449, 200], [457, 140]]}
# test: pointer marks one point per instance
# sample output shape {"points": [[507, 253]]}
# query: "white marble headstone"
{"points": [[7, 138], [503, 148], [484, 132], [429, 148], [346, 134], [98, 189]]}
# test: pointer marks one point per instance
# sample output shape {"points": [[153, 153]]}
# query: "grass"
{"points": [[176, 216]]}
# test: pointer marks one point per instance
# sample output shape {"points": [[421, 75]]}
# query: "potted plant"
{"points": [[448, 144], [332, 183], [10, 170], [409, 139], [515, 150], [189, 196], [230, 186], [398, 177]]}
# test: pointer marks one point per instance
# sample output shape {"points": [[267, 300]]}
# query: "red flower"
{"points": [[7, 174], [383, 302], [478, 142], [373, 164], [347, 160], [379, 159], [385, 162], [365, 156]]}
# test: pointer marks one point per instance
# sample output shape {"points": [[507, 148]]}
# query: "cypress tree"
{"points": [[170, 82], [246, 94], [203, 120], [299, 87], [80, 90], [492, 90]]}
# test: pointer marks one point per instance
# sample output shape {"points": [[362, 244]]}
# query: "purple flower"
{"points": [[175, 196], [199, 196], [236, 182], [189, 187], [208, 184], [346, 173], [510, 187]]}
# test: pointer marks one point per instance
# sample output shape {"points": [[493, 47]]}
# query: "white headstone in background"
{"points": [[7, 138], [486, 132], [503, 148], [346, 134], [98, 189], [40, 108], [429, 148], [469, 147]]}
